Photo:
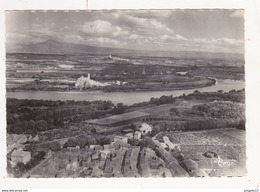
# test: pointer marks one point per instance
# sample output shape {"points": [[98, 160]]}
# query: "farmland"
{"points": [[60, 72]]}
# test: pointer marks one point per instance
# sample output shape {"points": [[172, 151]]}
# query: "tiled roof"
{"points": [[19, 153]]}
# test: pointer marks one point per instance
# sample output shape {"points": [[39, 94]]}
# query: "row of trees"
{"points": [[33, 116], [213, 124], [233, 95], [220, 109], [162, 100], [84, 140]]}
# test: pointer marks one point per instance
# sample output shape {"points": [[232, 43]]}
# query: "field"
{"points": [[228, 144], [60, 72]]}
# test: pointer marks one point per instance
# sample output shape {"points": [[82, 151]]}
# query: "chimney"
{"points": [[88, 76]]}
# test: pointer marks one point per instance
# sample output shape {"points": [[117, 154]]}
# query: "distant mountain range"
{"points": [[57, 47]]}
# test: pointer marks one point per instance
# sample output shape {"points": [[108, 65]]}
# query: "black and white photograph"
{"points": [[125, 93]]}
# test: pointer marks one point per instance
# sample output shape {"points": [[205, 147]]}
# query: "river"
{"points": [[127, 98]]}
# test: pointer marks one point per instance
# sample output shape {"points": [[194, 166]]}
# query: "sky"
{"points": [[157, 30]]}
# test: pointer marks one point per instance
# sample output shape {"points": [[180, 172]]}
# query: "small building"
{"points": [[120, 138], [98, 148], [120, 144], [95, 156], [108, 147], [35, 139], [137, 135], [103, 155], [144, 128], [130, 135], [182, 73], [156, 164], [21, 156]]}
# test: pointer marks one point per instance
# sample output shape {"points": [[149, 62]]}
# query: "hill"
{"points": [[57, 47]]}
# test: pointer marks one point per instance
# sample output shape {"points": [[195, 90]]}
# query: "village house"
{"points": [[95, 156], [120, 138], [20, 156], [143, 127], [15, 141], [130, 135], [120, 144], [137, 135]]}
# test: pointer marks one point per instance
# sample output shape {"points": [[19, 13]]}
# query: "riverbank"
{"points": [[130, 87], [128, 98]]}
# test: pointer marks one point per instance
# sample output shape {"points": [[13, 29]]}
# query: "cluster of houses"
{"points": [[151, 165], [184, 168], [118, 159], [15, 148], [141, 128]]}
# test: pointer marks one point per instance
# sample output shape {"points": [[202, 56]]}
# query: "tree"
{"points": [[242, 125], [17, 130], [41, 125], [82, 141], [134, 142], [94, 131], [55, 146], [105, 140], [155, 130], [20, 168], [108, 105], [70, 143], [175, 111]]}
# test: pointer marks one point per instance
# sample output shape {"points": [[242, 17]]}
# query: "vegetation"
{"points": [[86, 140], [34, 116]]}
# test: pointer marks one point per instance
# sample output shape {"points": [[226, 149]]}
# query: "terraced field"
{"points": [[228, 144], [209, 137]]}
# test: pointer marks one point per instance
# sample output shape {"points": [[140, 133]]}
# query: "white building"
{"points": [[85, 82], [144, 128]]}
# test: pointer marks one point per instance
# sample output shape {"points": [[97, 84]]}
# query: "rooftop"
{"points": [[19, 153]]}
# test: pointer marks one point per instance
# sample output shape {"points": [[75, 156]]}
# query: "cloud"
{"points": [[180, 37], [135, 29], [227, 45], [230, 41], [237, 14], [103, 28], [98, 26], [226, 41], [134, 36], [17, 38], [140, 24], [172, 37]]}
